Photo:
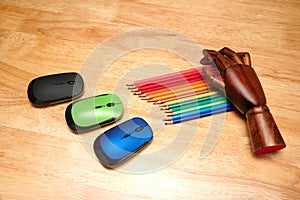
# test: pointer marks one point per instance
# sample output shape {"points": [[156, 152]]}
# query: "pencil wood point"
{"points": [[130, 84], [151, 100], [168, 119], [170, 114], [146, 98], [142, 95], [157, 102], [168, 123], [131, 87], [137, 93], [134, 90]]}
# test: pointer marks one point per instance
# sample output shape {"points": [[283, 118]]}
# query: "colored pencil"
{"points": [[191, 95], [196, 105], [199, 96], [191, 102], [182, 95], [161, 81], [186, 86], [200, 113], [166, 76], [196, 108], [177, 94], [156, 86]]}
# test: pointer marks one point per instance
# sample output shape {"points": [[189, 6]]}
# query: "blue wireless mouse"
{"points": [[121, 142]]}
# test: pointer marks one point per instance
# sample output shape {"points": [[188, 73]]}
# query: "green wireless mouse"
{"points": [[94, 112]]}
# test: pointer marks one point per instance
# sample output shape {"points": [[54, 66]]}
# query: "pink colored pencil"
{"points": [[167, 77]]}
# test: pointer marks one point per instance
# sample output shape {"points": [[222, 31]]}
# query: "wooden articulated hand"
{"points": [[244, 90]]}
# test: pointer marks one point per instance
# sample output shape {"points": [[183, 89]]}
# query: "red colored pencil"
{"points": [[175, 90], [172, 83], [166, 77], [177, 94]]}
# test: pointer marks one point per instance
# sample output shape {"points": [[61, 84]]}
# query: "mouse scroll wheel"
{"points": [[110, 104], [71, 82], [139, 128]]}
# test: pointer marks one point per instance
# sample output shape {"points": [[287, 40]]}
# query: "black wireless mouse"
{"points": [[54, 89], [123, 141], [93, 112]]}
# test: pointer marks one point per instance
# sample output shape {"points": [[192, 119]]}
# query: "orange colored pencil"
{"points": [[175, 88], [184, 90], [179, 94]]}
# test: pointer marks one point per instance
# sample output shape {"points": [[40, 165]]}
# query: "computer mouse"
{"points": [[54, 89], [94, 112], [118, 144]]}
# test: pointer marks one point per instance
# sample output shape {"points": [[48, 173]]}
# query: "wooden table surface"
{"points": [[42, 159]]}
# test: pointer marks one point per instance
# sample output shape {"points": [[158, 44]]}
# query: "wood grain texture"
{"points": [[40, 157]]}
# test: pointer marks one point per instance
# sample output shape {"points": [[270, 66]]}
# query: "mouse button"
{"points": [[118, 110], [50, 87], [148, 133], [100, 100], [83, 112], [125, 127], [76, 84], [113, 98], [139, 121], [113, 133], [50, 93]]}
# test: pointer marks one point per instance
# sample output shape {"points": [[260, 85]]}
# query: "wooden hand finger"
{"points": [[231, 55], [245, 56], [212, 79], [209, 56]]}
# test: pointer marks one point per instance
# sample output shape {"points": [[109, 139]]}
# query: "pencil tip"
{"points": [[170, 114], [157, 102], [137, 93], [134, 90], [168, 123], [152, 101], [168, 119], [130, 84]]}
